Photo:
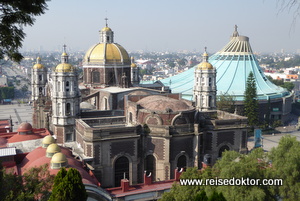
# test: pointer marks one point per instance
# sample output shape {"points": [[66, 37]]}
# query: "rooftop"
{"points": [[233, 63]]}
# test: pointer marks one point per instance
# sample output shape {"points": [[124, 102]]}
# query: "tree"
{"points": [[68, 186], [250, 101], [35, 184], [226, 102], [285, 165], [187, 192], [236, 165], [216, 197], [282, 162], [15, 14], [291, 6], [7, 92], [201, 196], [288, 85]]}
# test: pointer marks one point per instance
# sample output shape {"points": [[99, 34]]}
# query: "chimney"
{"points": [[178, 173], [125, 185], [147, 178]]}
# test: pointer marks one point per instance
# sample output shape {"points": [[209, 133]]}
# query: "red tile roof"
{"points": [[141, 188], [36, 134]]}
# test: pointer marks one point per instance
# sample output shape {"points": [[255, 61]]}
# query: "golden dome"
{"points": [[47, 141], [59, 158], [107, 53], [106, 29], [53, 148], [133, 65], [38, 64], [205, 66], [64, 54], [64, 68]]}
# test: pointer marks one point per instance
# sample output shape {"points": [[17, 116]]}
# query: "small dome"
{"points": [[58, 161], [64, 68], [133, 65], [25, 127], [59, 158], [47, 141], [205, 66], [106, 53], [52, 149], [38, 64], [106, 29], [164, 104]]}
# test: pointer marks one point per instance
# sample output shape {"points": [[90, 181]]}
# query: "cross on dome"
{"points": [[106, 19], [64, 48]]}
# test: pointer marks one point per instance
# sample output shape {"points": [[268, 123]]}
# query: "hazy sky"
{"points": [[161, 25]]}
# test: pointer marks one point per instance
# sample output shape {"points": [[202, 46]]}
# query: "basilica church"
{"points": [[121, 128]]}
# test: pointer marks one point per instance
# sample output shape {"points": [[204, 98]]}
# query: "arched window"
{"points": [[95, 77], [130, 117], [150, 165], [222, 149], [67, 86], [105, 104], [121, 170], [40, 77], [58, 109], [68, 109], [58, 86], [181, 162]]}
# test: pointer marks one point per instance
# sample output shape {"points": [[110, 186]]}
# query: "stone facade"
{"points": [[158, 140]]}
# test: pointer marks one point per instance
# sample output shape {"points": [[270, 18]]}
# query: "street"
{"points": [[18, 112]]}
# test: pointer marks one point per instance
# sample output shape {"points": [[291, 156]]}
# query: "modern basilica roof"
{"points": [[234, 62]]}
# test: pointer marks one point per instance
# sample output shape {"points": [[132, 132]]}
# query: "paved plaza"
{"points": [[18, 112], [270, 140]]}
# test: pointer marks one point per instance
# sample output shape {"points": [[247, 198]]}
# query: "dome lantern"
{"points": [[58, 161], [64, 55], [106, 34], [47, 141], [205, 65], [38, 64], [64, 66], [52, 149]]}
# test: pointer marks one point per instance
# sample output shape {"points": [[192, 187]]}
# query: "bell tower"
{"points": [[38, 79], [205, 88], [135, 77], [65, 99]]}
